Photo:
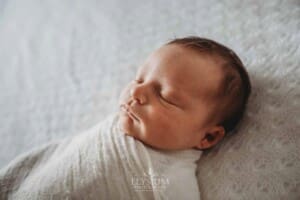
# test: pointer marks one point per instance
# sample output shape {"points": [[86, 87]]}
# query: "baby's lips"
{"points": [[122, 102], [126, 108], [125, 103], [122, 106]]}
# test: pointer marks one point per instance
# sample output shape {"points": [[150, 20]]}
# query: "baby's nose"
{"points": [[138, 94]]}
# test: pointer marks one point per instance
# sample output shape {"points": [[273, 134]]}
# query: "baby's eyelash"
{"points": [[165, 99], [159, 93]]}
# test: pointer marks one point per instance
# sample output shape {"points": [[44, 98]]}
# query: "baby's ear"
{"points": [[213, 136]]}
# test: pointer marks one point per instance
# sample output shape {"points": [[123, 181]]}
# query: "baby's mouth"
{"points": [[127, 109]]}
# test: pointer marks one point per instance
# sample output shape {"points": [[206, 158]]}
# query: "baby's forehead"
{"points": [[185, 69], [176, 55]]}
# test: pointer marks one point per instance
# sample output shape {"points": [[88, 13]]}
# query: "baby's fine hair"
{"points": [[235, 88]]}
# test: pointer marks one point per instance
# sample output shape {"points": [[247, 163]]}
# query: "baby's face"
{"points": [[168, 105]]}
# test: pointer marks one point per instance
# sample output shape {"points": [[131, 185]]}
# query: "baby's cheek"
{"points": [[171, 124], [163, 121]]}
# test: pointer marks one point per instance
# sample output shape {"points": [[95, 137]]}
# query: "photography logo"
{"points": [[149, 181]]}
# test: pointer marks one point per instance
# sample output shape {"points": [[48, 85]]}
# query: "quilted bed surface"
{"points": [[63, 64]]}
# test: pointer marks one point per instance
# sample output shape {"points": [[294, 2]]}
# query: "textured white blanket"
{"points": [[101, 163], [63, 64]]}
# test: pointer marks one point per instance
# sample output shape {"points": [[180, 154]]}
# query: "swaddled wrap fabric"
{"points": [[101, 163]]}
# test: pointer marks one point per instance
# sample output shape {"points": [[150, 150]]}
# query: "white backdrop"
{"points": [[64, 62]]}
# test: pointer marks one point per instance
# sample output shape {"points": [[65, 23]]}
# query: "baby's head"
{"points": [[188, 94]]}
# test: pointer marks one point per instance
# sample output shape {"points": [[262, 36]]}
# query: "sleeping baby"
{"points": [[185, 98], [187, 94]]}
